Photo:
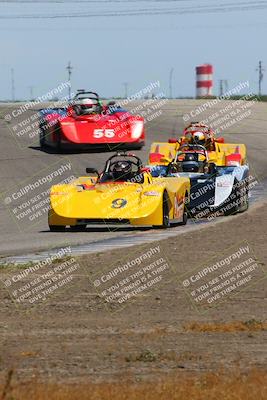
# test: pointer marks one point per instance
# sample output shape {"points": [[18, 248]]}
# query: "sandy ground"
{"points": [[75, 335]]}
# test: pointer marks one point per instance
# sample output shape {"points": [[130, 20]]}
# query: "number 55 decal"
{"points": [[100, 133]]}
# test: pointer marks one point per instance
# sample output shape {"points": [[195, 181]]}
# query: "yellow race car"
{"points": [[125, 192], [219, 153]]}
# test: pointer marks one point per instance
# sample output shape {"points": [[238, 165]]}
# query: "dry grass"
{"points": [[235, 326], [211, 386]]}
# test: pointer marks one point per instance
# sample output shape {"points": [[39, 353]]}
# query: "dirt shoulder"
{"points": [[75, 335]]}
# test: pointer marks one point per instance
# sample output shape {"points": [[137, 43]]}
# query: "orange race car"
{"points": [[219, 152]]}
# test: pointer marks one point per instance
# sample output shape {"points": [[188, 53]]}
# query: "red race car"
{"points": [[87, 123]]}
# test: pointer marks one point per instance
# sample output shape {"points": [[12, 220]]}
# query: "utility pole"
{"points": [[31, 92], [226, 85], [170, 82], [223, 86], [69, 69], [260, 69], [12, 85], [126, 85]]}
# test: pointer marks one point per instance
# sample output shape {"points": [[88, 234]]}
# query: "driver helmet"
{"points": [[122, 170], [199, 138], [190, 163], [87, 106]]}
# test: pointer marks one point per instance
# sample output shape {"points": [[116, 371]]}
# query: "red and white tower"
{"points": [[204, 80]]}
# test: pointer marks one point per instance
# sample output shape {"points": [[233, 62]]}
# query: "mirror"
{"points": [[92, 171], [212, 168]]}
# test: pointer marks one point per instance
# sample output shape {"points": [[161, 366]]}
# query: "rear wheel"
{"points": [[42, 137], [244, 198], [232, 203], [57, 228]]}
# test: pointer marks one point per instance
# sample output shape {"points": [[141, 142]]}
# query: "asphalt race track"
{"points": [[21, 160]]}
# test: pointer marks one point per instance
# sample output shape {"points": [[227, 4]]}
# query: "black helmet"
{"points": [[190, 163], [122, 170]]}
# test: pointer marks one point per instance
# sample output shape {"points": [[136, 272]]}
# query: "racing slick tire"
{"points": [[185, 212], [244, 198], [42, 140], [57, 228], [165, 213], [58, 144], [236, 198]]}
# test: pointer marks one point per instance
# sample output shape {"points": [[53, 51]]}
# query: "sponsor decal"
{"points": [[119, 203]]}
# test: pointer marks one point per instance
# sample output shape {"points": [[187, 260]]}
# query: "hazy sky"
{"points": [[107, 51]]}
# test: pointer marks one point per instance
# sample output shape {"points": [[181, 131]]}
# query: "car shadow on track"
{"points": [[51, 150], [95, 229]]}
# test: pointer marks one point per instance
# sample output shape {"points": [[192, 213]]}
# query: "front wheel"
{"points": [[58, 138], [165, 213], [244, 198], [185, 213], [58, 143]]}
